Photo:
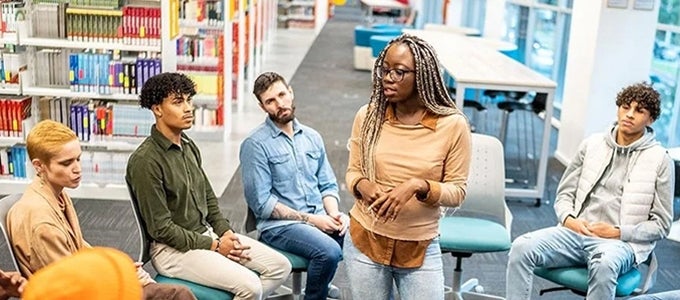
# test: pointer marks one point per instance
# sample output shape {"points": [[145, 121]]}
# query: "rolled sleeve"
{"points": [[267, 208]]}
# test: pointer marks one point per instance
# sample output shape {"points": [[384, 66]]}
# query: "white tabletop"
{"points": [[494, 43], [473, 62], [384, 4], [452, 29]]}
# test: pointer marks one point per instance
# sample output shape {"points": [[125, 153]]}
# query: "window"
{"points": [[540, 29], [665, 72]]}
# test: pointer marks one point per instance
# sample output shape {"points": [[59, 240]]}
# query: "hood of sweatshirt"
{"points": [[630, 152], [647, 140]]}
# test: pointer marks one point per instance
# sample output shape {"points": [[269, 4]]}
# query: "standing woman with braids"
{"points": [[409, 155]]}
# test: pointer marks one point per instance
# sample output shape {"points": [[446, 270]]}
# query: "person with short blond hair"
{"points": [[46, 139], [43, 225]]}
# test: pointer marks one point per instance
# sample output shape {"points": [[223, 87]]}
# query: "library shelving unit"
{"points": [[82, 64], [253, 28], [200, 50], [311, 14]]}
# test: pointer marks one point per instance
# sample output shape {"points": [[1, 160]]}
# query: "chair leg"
{"points": [[470, 290], [297, 285], [504, 127]]}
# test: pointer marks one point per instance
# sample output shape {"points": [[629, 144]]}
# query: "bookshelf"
{"points": [[92, 48], [54, 50], [200, 48], [67, 93], [61, 43], [310, 14]]}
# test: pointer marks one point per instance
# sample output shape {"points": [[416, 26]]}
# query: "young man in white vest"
{"points": [[613, 203]]}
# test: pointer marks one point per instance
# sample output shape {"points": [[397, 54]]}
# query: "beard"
{"points": [[278, 118]]}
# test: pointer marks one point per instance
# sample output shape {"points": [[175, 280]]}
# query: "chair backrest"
{"points": [[251, 222], [144, 237], [5, 204], [486, 181]]}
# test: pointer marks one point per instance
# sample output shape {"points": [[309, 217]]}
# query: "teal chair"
{"points": [[201, 292], [299, 264], [378, 43], [485, 226], [575, 279], [362, 44]]}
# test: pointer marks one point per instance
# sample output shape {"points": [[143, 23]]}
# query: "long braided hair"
{"points": [[430, 88]]}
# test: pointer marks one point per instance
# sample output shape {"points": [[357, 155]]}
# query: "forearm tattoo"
{"points": [[283, 212]]}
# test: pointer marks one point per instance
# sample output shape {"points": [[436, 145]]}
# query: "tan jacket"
{"points": [[40, 232]]}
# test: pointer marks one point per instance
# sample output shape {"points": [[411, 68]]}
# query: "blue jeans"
{"points": [[554, 247], [373, 281], [669, 295], [323, 251]]}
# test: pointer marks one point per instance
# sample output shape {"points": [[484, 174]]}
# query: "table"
{"points": [[474, 64], [368, 5], [498, 45]]}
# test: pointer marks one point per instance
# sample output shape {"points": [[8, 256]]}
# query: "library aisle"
{"points": [[220, 159]]}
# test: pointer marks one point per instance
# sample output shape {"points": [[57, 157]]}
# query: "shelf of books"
{"points": [[81, 64], [85, 61], [199, 51], [311, 14]]}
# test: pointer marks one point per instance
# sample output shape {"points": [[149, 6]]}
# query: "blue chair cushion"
{"points": [[472, 235], [379, 42], [201, 292], [362, 34], [576, 278], [299, 263]]}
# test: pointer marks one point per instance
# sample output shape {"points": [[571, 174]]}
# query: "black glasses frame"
{"points": [[396, 74]]}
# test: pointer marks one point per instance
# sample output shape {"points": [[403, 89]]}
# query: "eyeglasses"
{"points": [[395, 74]]}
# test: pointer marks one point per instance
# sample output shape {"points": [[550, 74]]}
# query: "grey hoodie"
{"points": [[630, 187], [604, 203]]}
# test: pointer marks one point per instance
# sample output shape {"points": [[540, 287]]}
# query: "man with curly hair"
{"points": [[613, 203], [191, 239]]}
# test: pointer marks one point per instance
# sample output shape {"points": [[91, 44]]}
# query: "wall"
{"points": [[609, 48]]}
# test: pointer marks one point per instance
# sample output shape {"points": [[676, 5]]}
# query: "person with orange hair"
{"points": [[43, 225], [94, 273]]}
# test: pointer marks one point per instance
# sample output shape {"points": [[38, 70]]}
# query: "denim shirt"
{"points": [[294, 172]]}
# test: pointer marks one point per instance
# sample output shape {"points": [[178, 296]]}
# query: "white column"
{"points": [[454, 13], [494, 19], [609, 48]]}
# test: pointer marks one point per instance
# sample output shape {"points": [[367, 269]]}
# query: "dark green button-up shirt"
{"points": [[175, 198]]}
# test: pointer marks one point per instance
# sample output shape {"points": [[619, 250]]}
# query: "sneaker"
{"points": [[333, 292]]}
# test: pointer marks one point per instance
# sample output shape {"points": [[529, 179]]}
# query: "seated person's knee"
{"points": [[250, 289]]}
